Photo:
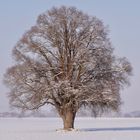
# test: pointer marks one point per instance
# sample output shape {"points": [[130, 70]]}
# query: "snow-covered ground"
{"points": [[88, 129]]}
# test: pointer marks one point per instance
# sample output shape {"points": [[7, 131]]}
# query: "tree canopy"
{"points": [[66, 60]]}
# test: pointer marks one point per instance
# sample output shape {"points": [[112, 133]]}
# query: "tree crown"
{"points": [[66, 60]]}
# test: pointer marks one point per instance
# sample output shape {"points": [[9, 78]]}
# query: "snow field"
{"points": [[86, 129]]}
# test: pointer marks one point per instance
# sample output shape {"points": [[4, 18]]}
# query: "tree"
{"points": [[66, 60]]}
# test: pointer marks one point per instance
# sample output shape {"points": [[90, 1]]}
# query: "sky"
{"points": [[122, 17]]}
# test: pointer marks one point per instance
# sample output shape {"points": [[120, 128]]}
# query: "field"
{"points": [[86, 129]]}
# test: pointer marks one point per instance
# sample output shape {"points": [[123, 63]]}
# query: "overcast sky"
{"points": [[122, 16]]}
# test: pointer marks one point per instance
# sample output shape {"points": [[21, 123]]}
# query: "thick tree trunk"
{"points": [[68, 119]]}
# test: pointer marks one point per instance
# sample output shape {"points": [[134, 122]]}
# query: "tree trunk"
{"points": [[68, 120]]}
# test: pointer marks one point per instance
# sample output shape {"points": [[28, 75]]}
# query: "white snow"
{"points": [[86, 129]]}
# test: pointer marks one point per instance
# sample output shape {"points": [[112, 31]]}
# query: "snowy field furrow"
{"points": [[86, 129]]}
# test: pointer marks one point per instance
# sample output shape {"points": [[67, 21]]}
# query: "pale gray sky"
{"points": [[122, 16]]}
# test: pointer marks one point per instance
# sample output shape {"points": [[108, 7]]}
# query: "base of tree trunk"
{"points": [[68, 120], [67, 130]]}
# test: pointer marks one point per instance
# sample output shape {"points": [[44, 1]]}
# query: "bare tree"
{"points": [[66, 60]]}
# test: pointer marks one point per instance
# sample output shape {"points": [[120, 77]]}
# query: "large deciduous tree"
{"points": [[66, 60]]}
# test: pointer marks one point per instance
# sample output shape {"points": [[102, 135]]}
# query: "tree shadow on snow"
{"points": [[112, 129]]}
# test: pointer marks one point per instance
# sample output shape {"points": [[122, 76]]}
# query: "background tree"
{"points": [[66, 60]]}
